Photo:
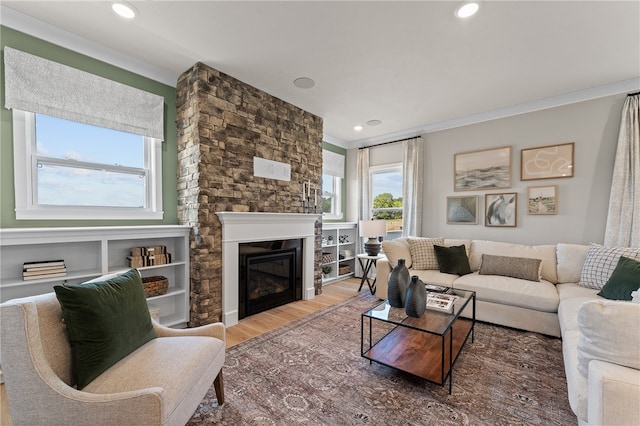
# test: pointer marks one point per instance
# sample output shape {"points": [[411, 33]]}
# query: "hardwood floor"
{"points": [[257, 324]]}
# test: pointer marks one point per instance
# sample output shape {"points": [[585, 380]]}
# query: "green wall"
{"points": [[35, 46], [342, 151]]}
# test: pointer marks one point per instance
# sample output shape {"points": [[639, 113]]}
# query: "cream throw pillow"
{"points": [[423, 255], [397, 249]]}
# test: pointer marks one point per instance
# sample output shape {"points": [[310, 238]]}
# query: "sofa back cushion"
{"points": [[546, 253], [570, 260], [397, 249]]}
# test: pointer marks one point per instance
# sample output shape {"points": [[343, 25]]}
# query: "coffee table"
{"points": [[426, 347]]}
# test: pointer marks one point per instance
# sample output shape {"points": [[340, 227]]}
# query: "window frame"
{"points": [[382, 168], [336, 203], [25, 161]]}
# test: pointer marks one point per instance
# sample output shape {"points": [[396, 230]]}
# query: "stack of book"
{"points": [[148, 256], [441, 302], [44, 269]]}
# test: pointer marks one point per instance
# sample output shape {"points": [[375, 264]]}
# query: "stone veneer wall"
{"points": [[222, 124]]}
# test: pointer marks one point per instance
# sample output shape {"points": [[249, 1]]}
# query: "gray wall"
{"points": [[582, 200]]}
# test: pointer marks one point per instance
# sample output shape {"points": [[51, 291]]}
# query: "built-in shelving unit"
{"points": [[338, 250], [89, 252]]}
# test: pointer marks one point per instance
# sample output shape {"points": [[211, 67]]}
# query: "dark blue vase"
{"points": [[397, 286], [416, 301]]}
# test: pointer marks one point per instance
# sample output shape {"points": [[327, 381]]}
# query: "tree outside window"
{"points": [[386, 192]]}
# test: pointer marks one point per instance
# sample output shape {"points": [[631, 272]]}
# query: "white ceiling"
{"points": [[412, 65]]}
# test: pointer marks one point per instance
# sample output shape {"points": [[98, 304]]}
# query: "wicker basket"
{"points": [[155, 286], [344, 269]]}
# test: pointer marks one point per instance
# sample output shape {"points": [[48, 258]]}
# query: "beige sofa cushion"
{"points": [[434, 276], [546, 253], [608, 332], [397, 249], [570, 260], [540, 296]]}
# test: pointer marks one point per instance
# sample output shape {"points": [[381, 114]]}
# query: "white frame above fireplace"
{"points": [[238, 227]]}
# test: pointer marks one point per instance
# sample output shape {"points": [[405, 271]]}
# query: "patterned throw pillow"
{"points": [[423, 255], [600, 263], [523, 268]]}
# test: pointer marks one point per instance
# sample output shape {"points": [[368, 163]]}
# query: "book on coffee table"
{"points": [[435, 288], [441, 302]]}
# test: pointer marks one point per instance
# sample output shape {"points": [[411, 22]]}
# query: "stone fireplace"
{"points": [[222, 125]]}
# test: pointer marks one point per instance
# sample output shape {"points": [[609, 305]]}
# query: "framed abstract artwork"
{"points": [[547, 162], [543, 199], [462, 210], [501, 209], [486, 169]]}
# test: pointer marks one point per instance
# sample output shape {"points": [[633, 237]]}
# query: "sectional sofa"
{"points": [[601, 337]]}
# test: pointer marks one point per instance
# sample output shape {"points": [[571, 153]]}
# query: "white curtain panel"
{"points": [[623, 220], [40, 86], [412, 175], [364, 192]]}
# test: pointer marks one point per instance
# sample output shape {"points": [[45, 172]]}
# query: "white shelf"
{"points": [[343, 237], [89, 252]]}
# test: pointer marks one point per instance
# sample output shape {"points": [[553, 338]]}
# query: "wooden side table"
{"points": [[366, 263]]}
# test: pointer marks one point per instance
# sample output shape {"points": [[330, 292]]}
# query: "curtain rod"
{"points": [[633, 94], [387, 143]]}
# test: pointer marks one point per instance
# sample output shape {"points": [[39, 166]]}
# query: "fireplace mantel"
{"points": [[239, 227]]}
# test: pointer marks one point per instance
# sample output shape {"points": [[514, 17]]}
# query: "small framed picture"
{"points": [[501, 209], [547, 162], [485, 169], [462, 210], [543, 199]]}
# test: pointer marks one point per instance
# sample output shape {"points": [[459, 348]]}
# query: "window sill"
{"points": [[87, 213]]}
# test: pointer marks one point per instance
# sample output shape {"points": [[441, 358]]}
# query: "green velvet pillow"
{"points": [[105, 321], [624, 279], [453, 260]]}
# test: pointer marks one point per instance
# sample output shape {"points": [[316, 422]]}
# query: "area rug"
{"points": [[310, 372]]}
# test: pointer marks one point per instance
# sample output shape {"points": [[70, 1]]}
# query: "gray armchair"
{"points": [[160, 383]]}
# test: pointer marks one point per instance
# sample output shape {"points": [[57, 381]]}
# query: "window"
{"points": [[332, 181], [386, 196], [69, 170], [331, 197]]}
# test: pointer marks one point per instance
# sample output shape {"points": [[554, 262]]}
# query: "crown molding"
{"points": [[39, 29], [616, 88]]}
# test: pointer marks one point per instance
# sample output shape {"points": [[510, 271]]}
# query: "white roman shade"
{"points": [[41, 86], [332, 164]]}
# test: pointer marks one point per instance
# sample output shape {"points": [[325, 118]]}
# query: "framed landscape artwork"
{"points": [[486, 169], [543, 199], [547, 162], [462, 210], [500, 209]]}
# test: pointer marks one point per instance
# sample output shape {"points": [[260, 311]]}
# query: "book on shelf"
{"points": [[42, 264], [441, 302], [44, 276], [43, 271]]}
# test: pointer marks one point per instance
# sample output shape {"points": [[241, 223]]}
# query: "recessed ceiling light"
{"points": [[357, 128], [467, 9], [124, 10], [374, 122], [304, 82]]}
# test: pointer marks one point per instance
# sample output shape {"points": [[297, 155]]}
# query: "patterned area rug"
{"points": [[311, 372]]}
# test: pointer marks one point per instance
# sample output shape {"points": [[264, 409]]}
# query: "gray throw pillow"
{"points": [[523, 268]]}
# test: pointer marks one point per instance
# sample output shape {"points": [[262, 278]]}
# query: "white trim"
{"points": [[34, 27]]}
